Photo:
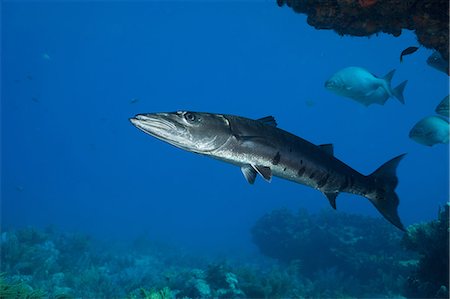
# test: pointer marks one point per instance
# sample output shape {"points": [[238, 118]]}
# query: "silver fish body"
{"points": [[362, 86], [430, 130], [259, 147]]}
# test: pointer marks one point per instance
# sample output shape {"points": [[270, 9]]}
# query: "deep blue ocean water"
{"points": [[72, 73]]}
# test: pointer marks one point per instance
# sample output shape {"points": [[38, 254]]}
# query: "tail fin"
{"points": [[398, 91], [385, 199], [387, 82], [388, 77]]}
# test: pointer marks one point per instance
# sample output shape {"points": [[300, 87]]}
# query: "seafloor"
{"points": [[326, 255]]}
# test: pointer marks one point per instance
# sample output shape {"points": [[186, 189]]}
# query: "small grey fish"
{"points": [[408, 51], [442, 108], [258, 147], [436, 61], [363, 87], [430, 130]]}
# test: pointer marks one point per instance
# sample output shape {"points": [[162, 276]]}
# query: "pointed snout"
{"points": [[139, 118]]}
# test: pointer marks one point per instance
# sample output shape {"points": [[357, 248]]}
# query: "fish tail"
{"points": [[387, 82], [398, 91], [384, 198], [388, 77]]}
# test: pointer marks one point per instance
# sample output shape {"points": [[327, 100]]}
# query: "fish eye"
{"points": [[190, 116]]}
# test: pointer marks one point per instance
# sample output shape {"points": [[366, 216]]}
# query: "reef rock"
{"points": [[429, 18]]}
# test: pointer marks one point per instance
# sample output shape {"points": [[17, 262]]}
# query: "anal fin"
{"points": [[264, 171], [332, 198]]}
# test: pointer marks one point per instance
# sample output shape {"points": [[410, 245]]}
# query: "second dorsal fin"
{"points": [[268, 120], [328, 148]]}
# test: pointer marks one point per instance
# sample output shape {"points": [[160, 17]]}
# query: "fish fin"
{"points": [[328, 148], [388, 77], [268, 120], [385, 199], [398, 91], [387, 82], [332, 198], [264, 171], [249, 173]]}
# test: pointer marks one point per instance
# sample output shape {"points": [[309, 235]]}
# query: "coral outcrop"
{"points": [[431, 241], [364, 250], [428, 18]]}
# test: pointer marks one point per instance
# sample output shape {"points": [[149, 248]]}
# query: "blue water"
{"points": [[73, 73]]}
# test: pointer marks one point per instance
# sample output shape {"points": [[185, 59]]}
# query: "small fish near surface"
{"points": [[408, 51], [258, 147], [430, 130], [362, 86], [442, 108], [436, 61]]}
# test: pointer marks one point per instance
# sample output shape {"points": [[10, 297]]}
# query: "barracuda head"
{"points": [[192, 131]]}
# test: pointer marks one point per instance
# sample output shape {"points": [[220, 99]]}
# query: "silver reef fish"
{"points": [[430, 130], [362, 86], [442, 108], [259, 147]]}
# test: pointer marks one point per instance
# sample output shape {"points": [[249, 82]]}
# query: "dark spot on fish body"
{"points": [[301, 171], [323, 181], [312, 175], [276, 159], [301, 162], [284, 169]]}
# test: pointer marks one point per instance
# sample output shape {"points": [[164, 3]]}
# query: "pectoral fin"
{"points": [[249, 173], [264, 171], [332, 198]]}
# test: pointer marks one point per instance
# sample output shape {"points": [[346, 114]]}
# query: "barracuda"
{"points": [[259, 147]]}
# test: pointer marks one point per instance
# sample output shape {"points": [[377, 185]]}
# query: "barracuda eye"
{"points": [[190, 117]]}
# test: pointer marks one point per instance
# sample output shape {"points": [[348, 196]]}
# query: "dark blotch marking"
{"points": [[290, 150], [312, 175], [276, 159], [323, 181], [301, 162], [284, 169], [301, 171]]}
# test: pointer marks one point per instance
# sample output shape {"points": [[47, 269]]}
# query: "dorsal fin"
{"points": [[328, 148], [268, 120], [332, 198]]}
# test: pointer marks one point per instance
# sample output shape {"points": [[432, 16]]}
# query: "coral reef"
{"points": [[312, 256], [18, 289], [345, 247], [431, 241], [429, 18]]}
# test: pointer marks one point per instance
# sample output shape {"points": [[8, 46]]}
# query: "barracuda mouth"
{"points": [[158, 125]]}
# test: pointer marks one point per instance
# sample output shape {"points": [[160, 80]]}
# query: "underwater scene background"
{"points": [[93, 208]]}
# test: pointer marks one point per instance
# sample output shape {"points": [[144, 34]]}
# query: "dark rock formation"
{"points": [[429, 18]]}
